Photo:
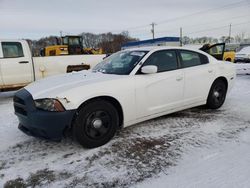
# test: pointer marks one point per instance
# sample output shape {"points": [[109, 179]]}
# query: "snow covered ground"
{"points": [[243, 68], [223, 166], [192, 148]]}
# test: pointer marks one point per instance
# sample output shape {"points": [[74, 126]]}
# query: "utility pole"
{"points": [[153, 29], [181, 36], [230, 30], [61, 34]]}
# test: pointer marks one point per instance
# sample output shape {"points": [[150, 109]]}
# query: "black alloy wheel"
{"points": [[217, 95], [96, 123]]}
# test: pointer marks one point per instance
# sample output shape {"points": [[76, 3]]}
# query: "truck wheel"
{"points": [[96, 124], [217, 95]]}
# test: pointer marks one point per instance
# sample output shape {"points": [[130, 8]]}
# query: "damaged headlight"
{"points": [[52, 105]]}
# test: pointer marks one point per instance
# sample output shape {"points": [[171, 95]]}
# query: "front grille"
{"points": [[23, 103], [19, 100], [20, 110]]}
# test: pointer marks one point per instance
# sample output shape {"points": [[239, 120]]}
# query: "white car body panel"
{"points": [[243, 55], [206, 74], [153, 98], [53, 65], [141, 97], [13, 72]]}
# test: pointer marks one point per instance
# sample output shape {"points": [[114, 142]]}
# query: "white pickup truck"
{"points": [[18, 68]]}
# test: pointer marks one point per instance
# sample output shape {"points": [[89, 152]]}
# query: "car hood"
{"points": [[54, 85]]}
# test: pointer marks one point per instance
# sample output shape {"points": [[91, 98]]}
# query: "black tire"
{"points": [[96, 124], [217, 94]]}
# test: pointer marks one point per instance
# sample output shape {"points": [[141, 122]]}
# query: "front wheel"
{"points": [[96, 124], [217, 95]]}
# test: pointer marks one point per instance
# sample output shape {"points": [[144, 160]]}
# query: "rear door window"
{"points": [[190, 58], [12, 49]]}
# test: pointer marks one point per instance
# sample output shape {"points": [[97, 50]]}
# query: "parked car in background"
{"points": [[126, 88], [18, 68], [243, 55]]}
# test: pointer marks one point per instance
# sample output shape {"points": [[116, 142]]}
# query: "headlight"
{"points": [[248, 55], [49, 105]]}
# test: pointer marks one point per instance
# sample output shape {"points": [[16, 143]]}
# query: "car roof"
{"points": [[245, 50], [155, 48], [12, 40]]}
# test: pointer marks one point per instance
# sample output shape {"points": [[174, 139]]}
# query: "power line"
{"points": [[211, 29], [216, 28], [197, 25], [188, 15], [202, 12], [205, 11]]}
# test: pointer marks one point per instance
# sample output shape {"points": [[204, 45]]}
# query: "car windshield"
{"points": [[245, 50], [74, 41], [121, 63]]}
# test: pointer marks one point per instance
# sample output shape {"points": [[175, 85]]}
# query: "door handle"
{"points": [[210, 71], [23, 62], [179, 78]]}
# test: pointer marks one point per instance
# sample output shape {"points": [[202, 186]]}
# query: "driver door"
{"points": [[162, 91], [15, 64], [216, 50]]}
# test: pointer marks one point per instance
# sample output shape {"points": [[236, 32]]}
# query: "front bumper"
{"points": [[39, 123]]}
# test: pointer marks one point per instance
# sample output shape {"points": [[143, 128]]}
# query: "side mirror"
{"points": [[149, 69]]}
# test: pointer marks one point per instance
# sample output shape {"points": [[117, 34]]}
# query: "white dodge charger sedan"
{"points": [[128, 87]]}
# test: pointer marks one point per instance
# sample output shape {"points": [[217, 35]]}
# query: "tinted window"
{"points": [[217, 49], [164, 60], [12, 49], [190, 59], [204, 59]]}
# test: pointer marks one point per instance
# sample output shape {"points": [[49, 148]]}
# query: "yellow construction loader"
{"points": [[69, 45]]}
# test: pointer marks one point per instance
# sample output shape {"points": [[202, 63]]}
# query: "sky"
{"points": [[34, 19]]}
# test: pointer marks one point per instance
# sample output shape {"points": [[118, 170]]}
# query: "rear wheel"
{"points": [[217, 95], [96, 124]]}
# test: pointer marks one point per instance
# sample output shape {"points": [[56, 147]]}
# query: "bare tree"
{"points": [[239, 38]]}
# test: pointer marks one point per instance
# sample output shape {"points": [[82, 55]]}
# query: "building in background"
{"points": [[163, 41]]}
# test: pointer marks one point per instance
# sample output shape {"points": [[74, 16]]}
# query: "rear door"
{"points": [[216, 50], [199, 75], [16, 64]]}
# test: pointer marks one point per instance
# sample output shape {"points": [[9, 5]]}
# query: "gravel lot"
{"points": [[136, 155]]}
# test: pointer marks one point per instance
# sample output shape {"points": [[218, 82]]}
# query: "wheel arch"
{"points": [[208, 103], [109, 99], [223, 79], [219, 78]]}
